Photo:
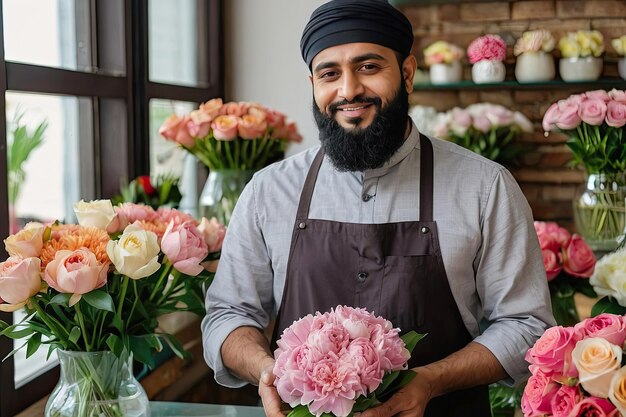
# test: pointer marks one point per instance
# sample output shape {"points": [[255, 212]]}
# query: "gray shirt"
{"points": [[489, 246]]}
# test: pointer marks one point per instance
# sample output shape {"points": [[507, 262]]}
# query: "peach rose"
{"points": [[617, 390], [252, 127], [597, 360], [20, 279], [199, 123], [169, 128], [212, 107], [26, 243], [225, 127]]}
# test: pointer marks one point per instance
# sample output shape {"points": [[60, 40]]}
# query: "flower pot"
{"points": [[446, 73], [621, 67], [532, 67], [599, 211], [488, 71], [221, 192], [96, 384], [580, 68]]}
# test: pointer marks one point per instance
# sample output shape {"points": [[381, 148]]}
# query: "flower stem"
{"points": [[83, 329], [120, 303], [166, 270]]}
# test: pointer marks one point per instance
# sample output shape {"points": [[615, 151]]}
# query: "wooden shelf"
{"points": [[604, 83]]}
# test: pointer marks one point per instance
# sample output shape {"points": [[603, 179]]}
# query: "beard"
{"points": [[360, 149]]}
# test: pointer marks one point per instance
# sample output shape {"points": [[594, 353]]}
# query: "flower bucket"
{"points": [[580, 69], [488, 71]]}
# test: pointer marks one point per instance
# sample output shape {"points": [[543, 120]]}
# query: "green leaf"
{"points": [[300, 411], [33, 344], [13, 352], [411, 338], [387, 380], [61, 299], [115, 344], [74, 334], [175, 345], [404, 377], [100, 300], [607, 305]]}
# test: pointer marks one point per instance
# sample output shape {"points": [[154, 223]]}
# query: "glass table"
{"points": [[173, 409]]}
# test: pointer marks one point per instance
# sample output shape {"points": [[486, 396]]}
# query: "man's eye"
{"points": [[328, 74], [369, 67]]}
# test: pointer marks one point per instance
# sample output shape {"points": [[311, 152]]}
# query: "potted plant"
{"points": [[443, 58], [580, 55], [534, 60]]}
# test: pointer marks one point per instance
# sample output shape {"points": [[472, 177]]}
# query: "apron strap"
{"points": [[426, 179], [309, 186]]}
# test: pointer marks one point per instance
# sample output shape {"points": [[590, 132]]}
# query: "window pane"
{"points": [[173, 43], [168, 159], [57, 33]]}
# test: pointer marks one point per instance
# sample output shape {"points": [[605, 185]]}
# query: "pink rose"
{"points": [[616, 114], [550, 118], [333, 387], [538, 395], [212, 107], [129, 213], [252, 127], [592, 407], [275, 119], [75, 272], [482, 123], [225, 127], [578, 258], [592, 111], [185, 248], [363, 356], [597, 95], [199, 123], [551, 354], [234, 108], [169, 128], [330, 338], [618, 95], [569, 115], [461, 121], [564, 400], [213, 233], [20, 279], [607, 326], [292, 133], [550, 264], [560, 234]]}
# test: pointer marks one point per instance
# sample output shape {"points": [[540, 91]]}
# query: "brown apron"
{"points": [[394, 270]]}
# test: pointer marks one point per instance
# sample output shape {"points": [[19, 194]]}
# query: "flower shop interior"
{"points": [[92, 87]]}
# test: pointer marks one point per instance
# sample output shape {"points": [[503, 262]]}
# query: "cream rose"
{"points": [[136, 253], [609, 276], [596, 360], [96, 213], [26, 243], [617, 390]]}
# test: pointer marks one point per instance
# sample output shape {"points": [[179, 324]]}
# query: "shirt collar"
{"points": [[411, 142]]}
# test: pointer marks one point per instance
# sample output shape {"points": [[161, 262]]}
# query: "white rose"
{"points": [[596, 360], [136, 253], [26, 243], [617, 391], [609, 276], [96, 213]]}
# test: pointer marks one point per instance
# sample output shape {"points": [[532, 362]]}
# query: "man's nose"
{"points": [[351, 86]]}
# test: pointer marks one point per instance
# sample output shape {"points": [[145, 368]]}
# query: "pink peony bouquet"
{"points": [[341, 362], [234, 135], [577, 371], [101, 284], [487, 47], [569, 262]]}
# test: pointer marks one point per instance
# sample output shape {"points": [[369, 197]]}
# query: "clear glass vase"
{"points": [[599, 211], [97, 384], [221, 192]]}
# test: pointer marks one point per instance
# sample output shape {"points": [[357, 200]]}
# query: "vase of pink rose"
{"points": [[486, 53], [595, 123]]}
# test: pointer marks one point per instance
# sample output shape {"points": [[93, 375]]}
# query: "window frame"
{"points": [[132, 141]]}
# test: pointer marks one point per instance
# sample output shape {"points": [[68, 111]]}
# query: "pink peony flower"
{"points": [[355, 320], [564, 401], [185, 248], [330, 338], [592, 111], [167, 215], [592, 407], [363, 356], [616, 114], [607, 326], [20, 279], [333, 387], [486, 47], [129, 213], [538, 395], [552, 353], [578, 258]]}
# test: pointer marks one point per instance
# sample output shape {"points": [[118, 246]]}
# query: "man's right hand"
{"points": [[269, 395]]}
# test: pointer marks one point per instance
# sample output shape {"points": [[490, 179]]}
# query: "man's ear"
{"points": [[311, 79], [409, 66]]}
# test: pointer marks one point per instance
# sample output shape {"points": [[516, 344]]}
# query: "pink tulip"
{"points": [[578, 258], [75, 272], [184, 247], [20, 279], [616, 114], [592, 111], [225, 127]]}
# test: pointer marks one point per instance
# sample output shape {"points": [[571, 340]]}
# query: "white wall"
{"points": [[263, 61]]}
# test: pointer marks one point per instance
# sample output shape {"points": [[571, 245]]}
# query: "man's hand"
{"points": [[269, 396], [410, 401]]}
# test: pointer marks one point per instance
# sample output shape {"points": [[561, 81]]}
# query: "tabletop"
{"points": [[173, 409]]}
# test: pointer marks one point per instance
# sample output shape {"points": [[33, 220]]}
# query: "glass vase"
{"points": [[221, 192], [599, 211], [97, 384]]}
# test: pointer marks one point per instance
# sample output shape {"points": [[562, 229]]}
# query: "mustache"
{"points": [[334, 108]]}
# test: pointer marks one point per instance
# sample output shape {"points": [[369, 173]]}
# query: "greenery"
{"points": [[164, 191], [496, 144], [600, 149]]}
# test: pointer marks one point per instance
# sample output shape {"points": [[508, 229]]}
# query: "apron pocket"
{"points": [[403, 299]]}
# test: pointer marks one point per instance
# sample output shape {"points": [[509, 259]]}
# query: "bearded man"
{"points": [[420, 231]]}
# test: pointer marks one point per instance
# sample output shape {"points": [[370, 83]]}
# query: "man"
{"points": [[418, 230]]}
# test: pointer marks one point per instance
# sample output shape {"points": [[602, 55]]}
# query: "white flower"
{"points": [[596, 360], [96, 213], [609, 276], [136, 253], [617, 391]]}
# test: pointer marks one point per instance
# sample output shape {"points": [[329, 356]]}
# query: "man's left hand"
{"points": [[409, 401]]}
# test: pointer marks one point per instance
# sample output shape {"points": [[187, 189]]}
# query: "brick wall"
{"points": [[544, 175]]}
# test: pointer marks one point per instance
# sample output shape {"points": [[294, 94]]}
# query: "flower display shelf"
{"points": [[602, 83]]}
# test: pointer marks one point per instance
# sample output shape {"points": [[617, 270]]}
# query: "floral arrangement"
{"points": [[534, 41], [163, 191], [582, 43], [577, 371], [442, 52], [234, 135], [100, 285], [487, 47], [485, 128], [569, 262], [341, 362], [594, 122], [619, 44]]}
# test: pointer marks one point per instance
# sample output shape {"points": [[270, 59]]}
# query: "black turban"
{"points": [[347, 21]]}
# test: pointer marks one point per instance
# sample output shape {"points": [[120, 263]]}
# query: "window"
{"points": [[93, 80]]}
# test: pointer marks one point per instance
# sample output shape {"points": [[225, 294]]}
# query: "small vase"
{"points": [[488, 71], [221, 192], [580, 68], [96, 384], [446, 73], [599, 211], [621, 67], [532, 67]]}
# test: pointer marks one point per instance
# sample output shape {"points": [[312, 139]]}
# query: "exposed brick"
{"points": [[448, 13], [502, 97], [462, 27], [531, 96], [531, 191], [515, 28], [570, 8], [610, 28], [467, 97], [560, 193], [421, 15], [528, 10], [551, 210], [553, 176], [559, 27], [538, 136], [555, 158], [441, 100], [485, 12], [605, 8]]}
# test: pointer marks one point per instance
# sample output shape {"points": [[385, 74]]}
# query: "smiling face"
{"points": [[352, 82]]}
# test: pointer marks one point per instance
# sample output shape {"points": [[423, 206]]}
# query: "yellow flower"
{"points": [[619, 44], [581, 44], [569, 48]]}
